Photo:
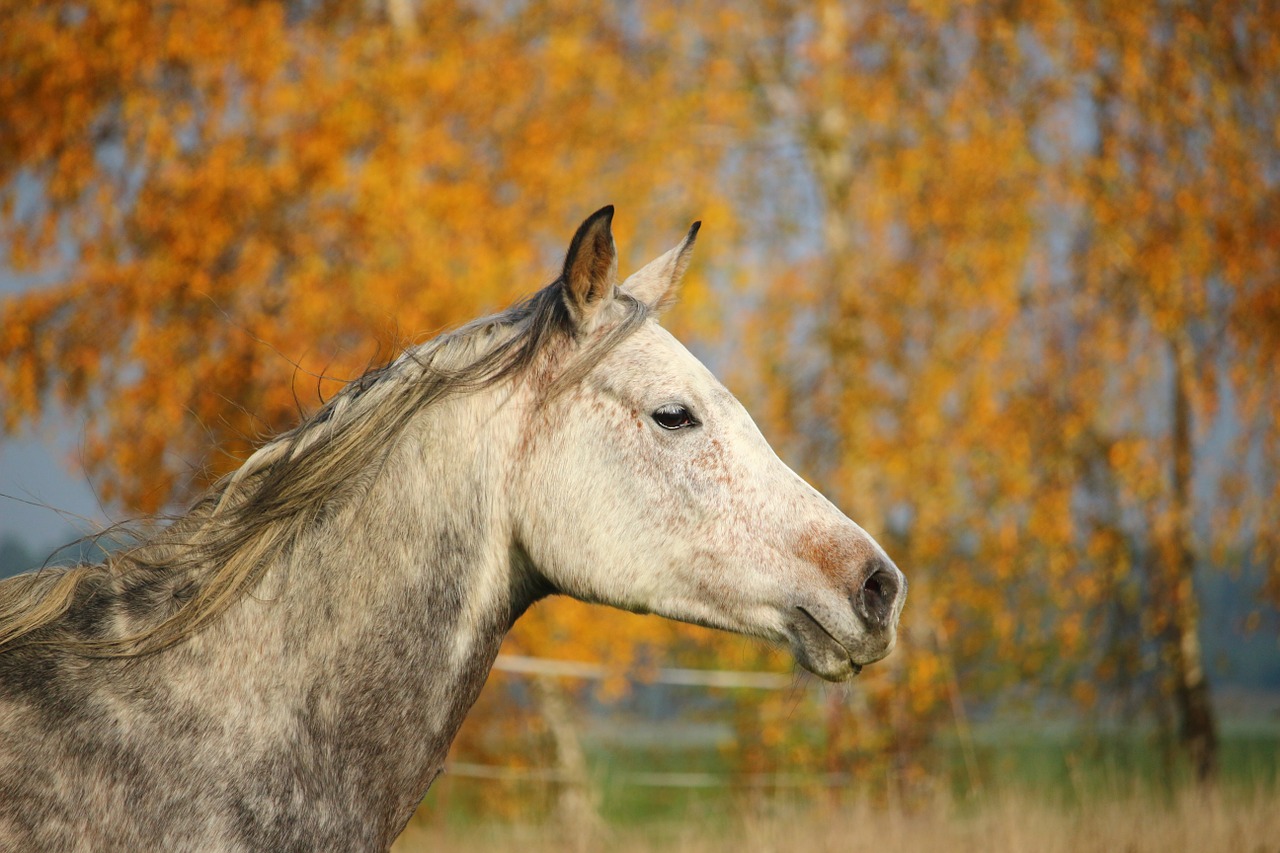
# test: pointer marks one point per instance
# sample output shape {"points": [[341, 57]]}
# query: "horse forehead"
{"points": [[654, 353]]}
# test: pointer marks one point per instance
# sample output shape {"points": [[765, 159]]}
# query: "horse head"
{"points": [[645, 485]]}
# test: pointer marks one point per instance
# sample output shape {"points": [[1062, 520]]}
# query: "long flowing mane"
{"points": [[191, 571]]}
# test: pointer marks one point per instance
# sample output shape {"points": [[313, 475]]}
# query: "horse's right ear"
{"points": [[656, 283], [591, 266]]}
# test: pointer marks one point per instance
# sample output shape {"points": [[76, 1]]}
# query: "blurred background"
{"points": [[999, 278]]}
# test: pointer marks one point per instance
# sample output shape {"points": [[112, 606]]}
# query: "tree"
{"points": [[1181, 236], [954, 151]]}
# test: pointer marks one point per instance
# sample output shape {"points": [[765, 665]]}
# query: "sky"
{"points": [[43, 469], [41, 465]]}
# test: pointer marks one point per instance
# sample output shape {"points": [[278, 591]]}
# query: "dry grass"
{"points": [[1009, 822]]}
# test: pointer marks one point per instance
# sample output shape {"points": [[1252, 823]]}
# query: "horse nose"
{"points": [[876, 602]]}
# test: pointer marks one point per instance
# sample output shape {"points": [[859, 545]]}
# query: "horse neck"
{"points": [[367, 645]]}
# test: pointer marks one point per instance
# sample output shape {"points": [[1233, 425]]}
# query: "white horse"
{"points": [[284, 667]]}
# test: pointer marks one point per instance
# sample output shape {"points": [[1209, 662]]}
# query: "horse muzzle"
{"points": [[836, 642]]}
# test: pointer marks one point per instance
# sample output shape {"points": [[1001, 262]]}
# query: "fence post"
{"points": [[576, 808]]}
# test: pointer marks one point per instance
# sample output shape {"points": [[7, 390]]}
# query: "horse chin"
{"points": [[818, 651], [840, 671]]}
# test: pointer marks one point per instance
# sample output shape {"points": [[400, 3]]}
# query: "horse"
{"points": [[284, 666]]}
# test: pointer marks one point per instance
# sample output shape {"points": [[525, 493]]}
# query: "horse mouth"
{"points": [[817, 649]]}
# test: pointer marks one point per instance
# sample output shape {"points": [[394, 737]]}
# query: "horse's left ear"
{"points": [[591, 266], [657, 283]]}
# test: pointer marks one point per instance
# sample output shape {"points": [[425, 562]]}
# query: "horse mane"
{"points": [[220, 549]]}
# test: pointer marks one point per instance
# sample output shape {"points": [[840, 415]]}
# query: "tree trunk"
{"points": [[1198, 728], [403, 17]]}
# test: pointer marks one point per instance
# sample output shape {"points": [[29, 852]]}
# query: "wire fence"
{"points": [[686, 677], [717, 678], [550, 775]]}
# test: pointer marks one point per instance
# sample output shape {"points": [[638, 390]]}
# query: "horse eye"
{"points": [[674, 417]]}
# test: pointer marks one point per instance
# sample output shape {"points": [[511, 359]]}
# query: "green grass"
{"points": [[1072, 766], [1005, 822], [1055, 765]]}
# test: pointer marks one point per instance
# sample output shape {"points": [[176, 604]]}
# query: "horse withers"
{"points": [[285, 666]]}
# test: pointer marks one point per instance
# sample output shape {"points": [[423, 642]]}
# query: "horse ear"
{"points": [[657, 283], [591, 266]]}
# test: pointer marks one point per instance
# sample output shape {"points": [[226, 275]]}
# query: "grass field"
{"points": [[1007, 822], [1046, 791]]}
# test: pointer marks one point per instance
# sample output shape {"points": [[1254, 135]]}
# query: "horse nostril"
{"points": [[876, 598]]}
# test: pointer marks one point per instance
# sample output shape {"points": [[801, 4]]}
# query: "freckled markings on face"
{"points": [[834, 552], [714, 461], [713, 585]]}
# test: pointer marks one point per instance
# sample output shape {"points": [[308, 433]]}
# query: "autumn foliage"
{"points": [[1000, 278]]}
